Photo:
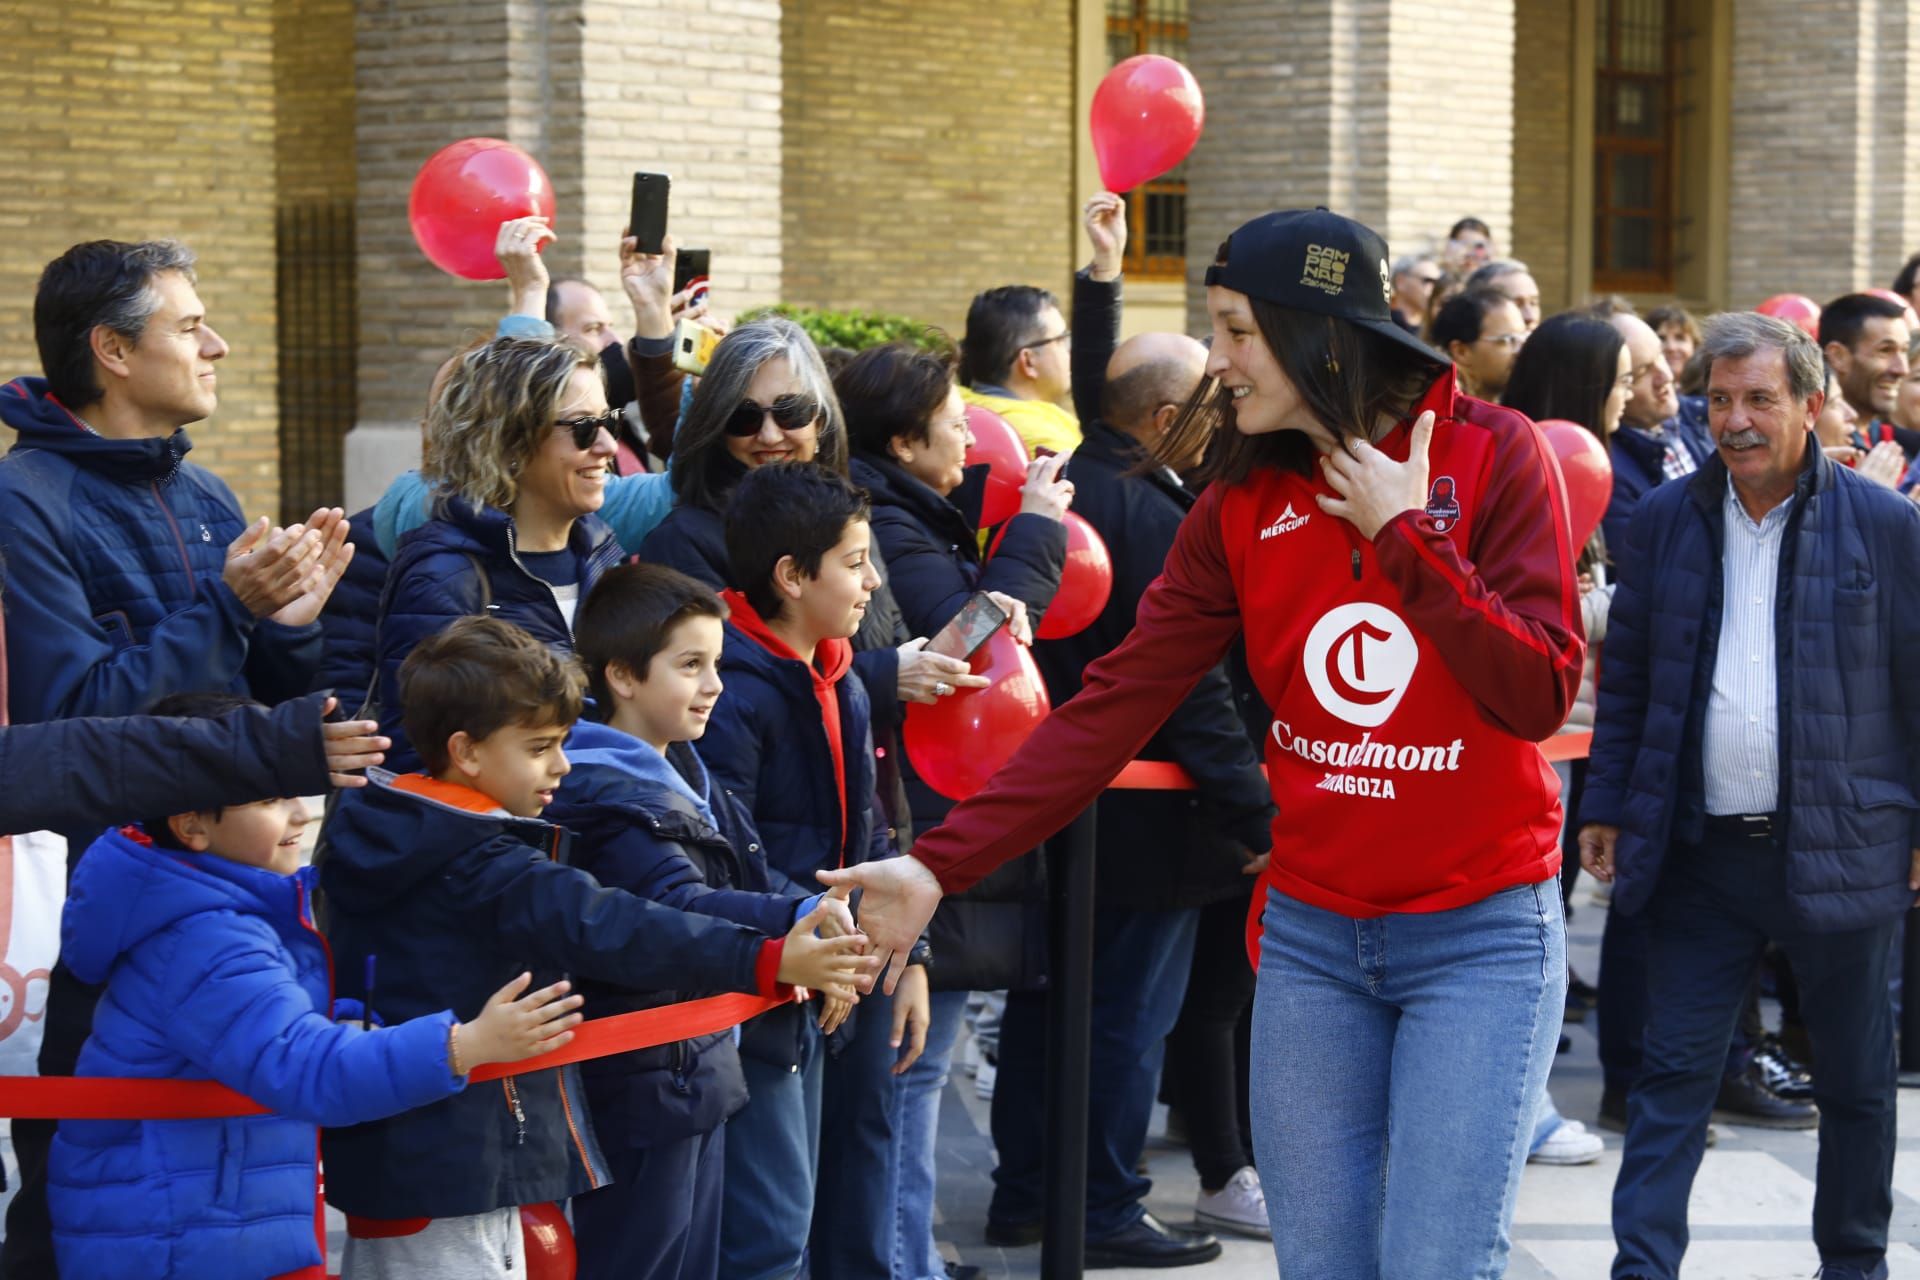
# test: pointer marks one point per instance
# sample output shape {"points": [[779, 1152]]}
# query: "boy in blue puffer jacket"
{"points": [[647, 819], [199, 924]]}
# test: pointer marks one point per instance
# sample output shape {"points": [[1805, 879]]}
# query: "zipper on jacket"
{"points": [[513, 552], [579, 1144], [179, 541], [519, 1114]]}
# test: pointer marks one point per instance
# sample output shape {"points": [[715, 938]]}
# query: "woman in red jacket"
{"points": [[1398, 558]]}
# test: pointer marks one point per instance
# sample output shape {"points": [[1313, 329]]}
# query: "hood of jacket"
{"points": [[386, 837], [44, 423], [125, 890], [613, 769]]}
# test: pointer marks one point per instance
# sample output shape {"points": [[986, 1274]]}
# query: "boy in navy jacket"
{"points": [[646, 818], [437, 883], [199, 924], [791, 740]]}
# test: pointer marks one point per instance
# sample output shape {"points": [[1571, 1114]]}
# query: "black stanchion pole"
{"points": [[1063, 1248], [1910, 1003]]}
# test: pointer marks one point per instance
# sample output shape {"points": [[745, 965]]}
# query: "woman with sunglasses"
{"points": [[1397, 558], [521, 437], [766, 397]]}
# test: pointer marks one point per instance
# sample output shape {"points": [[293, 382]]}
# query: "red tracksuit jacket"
{"points": [[1410, 678]]}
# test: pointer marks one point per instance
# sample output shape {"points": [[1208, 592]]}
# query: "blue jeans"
{"points": [[1431, 1033], [916, 1132], [772, 1159], [853, 1209], [1140, 964], [1715, 909]]}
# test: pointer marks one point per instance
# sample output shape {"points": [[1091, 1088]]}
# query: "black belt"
{"points": [[1749, 826]]}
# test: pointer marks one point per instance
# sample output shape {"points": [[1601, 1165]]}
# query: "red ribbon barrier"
{"points": [[104, 1098], [119, 1098]]}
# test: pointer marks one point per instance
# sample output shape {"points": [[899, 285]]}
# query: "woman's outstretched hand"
{"points": [[1373, 488], [898, 899]]}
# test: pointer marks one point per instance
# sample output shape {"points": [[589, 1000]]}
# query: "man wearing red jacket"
{"points": [[1398, 558]]}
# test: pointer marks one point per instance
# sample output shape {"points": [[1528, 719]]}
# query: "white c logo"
{"points": [[1359, 661]]}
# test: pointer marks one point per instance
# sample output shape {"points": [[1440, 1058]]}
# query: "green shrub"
{"points": [[854, 330]]}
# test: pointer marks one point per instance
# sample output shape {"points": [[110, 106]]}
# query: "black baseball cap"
{"points": [[1313, 260]]}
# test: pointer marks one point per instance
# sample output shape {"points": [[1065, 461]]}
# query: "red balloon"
{"points": [[1147, 114], [1890, 296], [1795, 308], [1588, 473], [997, 444], [957, 743], [461, 196], [1085, 584], [548, 1243]]}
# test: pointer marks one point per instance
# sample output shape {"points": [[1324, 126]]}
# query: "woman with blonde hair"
{"points": [[519, 441]]}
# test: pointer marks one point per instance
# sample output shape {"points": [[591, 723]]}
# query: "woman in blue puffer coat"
{"points": [[518, 444]]}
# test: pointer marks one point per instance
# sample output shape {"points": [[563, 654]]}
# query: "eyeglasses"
{"points": [[587, 430], [1640, 373], [1511, 341], [1065, 335], [790, 413]]}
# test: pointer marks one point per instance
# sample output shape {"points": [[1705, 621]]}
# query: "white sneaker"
{"points": [[1239, 1207], [1569, 1144], [983, 1078]]}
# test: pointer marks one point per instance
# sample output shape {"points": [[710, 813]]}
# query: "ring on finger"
{"points": [[941, 688]]}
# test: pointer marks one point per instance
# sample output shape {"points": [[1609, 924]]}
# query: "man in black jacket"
{"points": [[1161, 854]]}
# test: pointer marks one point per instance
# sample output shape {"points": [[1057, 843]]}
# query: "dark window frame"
{"points": [[1143, 29], [1660, 212]]}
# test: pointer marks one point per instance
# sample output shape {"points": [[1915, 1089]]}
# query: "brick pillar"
{"points": [[1339, 102], [595, 89], [1825, 142]]}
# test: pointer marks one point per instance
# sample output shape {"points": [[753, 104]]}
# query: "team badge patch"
{"points": [[1442, 505]]}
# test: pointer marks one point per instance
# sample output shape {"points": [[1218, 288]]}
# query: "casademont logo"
{"points": [[1287, 523], [1359, 660]]}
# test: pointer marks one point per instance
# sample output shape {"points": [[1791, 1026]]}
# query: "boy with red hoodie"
{"points": [[791, 741]]}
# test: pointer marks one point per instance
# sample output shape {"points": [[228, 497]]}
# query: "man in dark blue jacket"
{"points": [[130, 573], [1753, 780], [1661, 437]]}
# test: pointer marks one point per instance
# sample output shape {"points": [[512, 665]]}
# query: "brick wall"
{"points": [[1334, 102], [427, 73], [1542, 145], [1821, 147], [128, 120], [928, 151], [690, 88]]}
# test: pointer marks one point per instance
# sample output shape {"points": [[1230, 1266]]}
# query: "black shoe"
{"points": [[1785, 1077], [1745, 1099], [1014, 1235], [963, 1271], [1152, 1243]]}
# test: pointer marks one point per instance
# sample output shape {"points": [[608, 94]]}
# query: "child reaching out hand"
{"points": [[200, 925]]}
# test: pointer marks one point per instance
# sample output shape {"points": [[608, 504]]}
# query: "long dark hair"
{"points": [[1347, 377], [1566, 370]]}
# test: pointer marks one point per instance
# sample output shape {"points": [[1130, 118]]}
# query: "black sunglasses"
{"points": [[587, 430], [790, 413]]}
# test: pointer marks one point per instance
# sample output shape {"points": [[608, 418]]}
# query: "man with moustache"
{"points": [[1753, 781], [1865, 339]]}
